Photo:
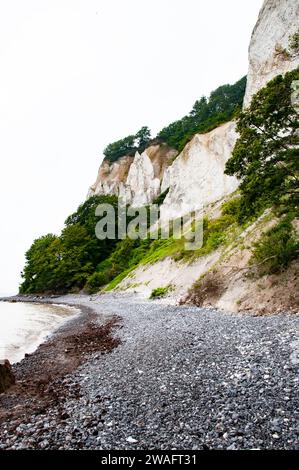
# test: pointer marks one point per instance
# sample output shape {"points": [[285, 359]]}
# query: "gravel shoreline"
{"points": [[171, 378]]}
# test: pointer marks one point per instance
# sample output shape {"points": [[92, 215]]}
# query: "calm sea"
{"points": [[24, 326]]}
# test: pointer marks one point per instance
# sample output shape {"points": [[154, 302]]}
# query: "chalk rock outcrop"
{"points": [[196, 178], [269, 51], [135, 179], [111, 177]]}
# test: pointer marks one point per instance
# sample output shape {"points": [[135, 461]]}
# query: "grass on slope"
{"points": [[130, 254]]}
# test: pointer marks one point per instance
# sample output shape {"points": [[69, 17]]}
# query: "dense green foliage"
{"points": [[265, 157], [129, 145], [236, 207], [276, 248], [131, 253], [206, 114], [42, 260], [233, 207], [96, 281], [215, 232], [64, 263], [126, 256], [78, 260]]}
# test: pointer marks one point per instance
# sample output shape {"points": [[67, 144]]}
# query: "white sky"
{"points": [[76, 75]]}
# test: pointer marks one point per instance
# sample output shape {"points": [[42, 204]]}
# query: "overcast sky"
{"points": [[76, 75]]}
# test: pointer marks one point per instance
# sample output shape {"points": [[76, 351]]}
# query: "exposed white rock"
{"points": [[142, 187], [179, 275], [111, 177], [143, 184], [196, 178], [137, 180], [166, 180], [269, 53]]}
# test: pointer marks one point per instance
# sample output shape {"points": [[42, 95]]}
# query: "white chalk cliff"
{"points": [[135, 179], [269, 52], [196, 177], [143, 184], [111, 177]]}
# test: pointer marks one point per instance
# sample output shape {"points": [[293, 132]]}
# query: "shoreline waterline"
{"points": [[25, 325]]}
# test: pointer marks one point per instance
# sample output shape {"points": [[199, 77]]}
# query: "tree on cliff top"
{"points": [[206, 114], [129, 145], [266, 155], [143, 137]]}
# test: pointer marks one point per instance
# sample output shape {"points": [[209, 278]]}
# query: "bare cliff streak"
{"points": [[143, 184], [135, 179], [196, 178], [110, 177], [269, 53]]}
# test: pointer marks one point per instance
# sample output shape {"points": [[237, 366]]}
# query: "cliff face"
{"points": [[195, 180], [197, 176], [111, 177], [136, 179], [269, 53], [143, 184]]}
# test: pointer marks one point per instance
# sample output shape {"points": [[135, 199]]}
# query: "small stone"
{"points": [[44, 444], [232, 447]]}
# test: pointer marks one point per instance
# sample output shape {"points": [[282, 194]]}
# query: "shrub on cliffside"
{"points": [[276, 249]]}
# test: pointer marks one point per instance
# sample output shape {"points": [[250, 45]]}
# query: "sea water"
{"points": [[24, 326]]}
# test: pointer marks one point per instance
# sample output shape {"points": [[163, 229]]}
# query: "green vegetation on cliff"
{"points": [[129, 145], [266, 155], [276, 248], [266, 159], [206, 114]]}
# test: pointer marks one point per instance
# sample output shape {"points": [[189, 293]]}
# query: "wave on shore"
{"points": [[24, 326]]}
